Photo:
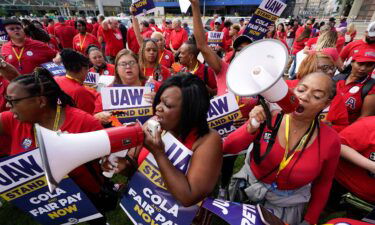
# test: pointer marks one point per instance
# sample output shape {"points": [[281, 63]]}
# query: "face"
{"points": [[114, 24], [24, 107], [151, 51], [232, 32], [362, 69], [242, 45], [168, 111], [96, 58], [280, 27], [81, 28], [246, 22], [369, 40], [175, 25], [159, 40], [313, 94], [185, 56], [15, 31], [309, 24], [217, 26], [128, 70], [326, 66], [169, 25]]}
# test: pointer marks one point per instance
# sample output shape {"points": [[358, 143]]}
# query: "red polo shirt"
{"points": [[84, 98], [65, 34], [361, 137], [209, 80], [109, 70], [164, 73], [81, 42], [132, 41], [352, 96], [76, 121], [33, 54], [166, 58], [113, 40], [354, 47], [178, 38]]}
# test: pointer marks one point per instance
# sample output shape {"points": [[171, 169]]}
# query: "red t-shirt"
{"points": [[178, 37], [166, 58], [81, 42], [89, 27], [132, 40], [113, 40], [210, 79], [340, 43], [76, 121], [167, 36], [351, 94], [354, 47], [346, 221], [65, 34], [299, 45], [221, 79], [316, 165], [3, 88], [100, 33], [281, 35], [311, 43], [34, 54], [228, 56], [51, 29], [335, 115], [147, 33], [164, 73], [95, 29], [109, 70], [155, 28], [361, 137], [83, 98], [53, 44]]}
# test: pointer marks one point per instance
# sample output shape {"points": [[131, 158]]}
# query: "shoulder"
{"points": [[212, 139], [82, 120]]}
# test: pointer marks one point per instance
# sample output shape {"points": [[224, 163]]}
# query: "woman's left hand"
{"points": [[154, 144], [149, 97]]}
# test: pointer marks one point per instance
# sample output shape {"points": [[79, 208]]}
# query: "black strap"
{"points": [[367, 88], [341, 76], [205, 75]]}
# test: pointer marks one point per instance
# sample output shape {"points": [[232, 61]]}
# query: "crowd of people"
{"points": [[312, 156]]}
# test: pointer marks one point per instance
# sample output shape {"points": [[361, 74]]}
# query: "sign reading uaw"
{"points": [[23, 183]]}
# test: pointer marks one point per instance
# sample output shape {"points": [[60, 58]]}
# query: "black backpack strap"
{"points": [[205, 75], [367, 88], [341, 76]]}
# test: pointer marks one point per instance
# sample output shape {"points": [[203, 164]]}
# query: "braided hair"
{"points": [[41, 83]]}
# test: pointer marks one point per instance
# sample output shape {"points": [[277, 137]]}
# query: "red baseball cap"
{"points": [[364, 55]]}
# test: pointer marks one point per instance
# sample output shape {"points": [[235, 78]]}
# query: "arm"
{"points": [[209, 55], [203, 171], [368, 107], [136, 28], [7, 70], [356, 158]]}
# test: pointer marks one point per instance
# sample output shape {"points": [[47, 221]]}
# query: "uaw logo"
{"points": [[26, 143], [267, 136]]}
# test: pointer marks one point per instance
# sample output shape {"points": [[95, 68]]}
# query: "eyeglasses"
{"points": [[14, 28], [327, 68], [125, 64], [15, 101]]}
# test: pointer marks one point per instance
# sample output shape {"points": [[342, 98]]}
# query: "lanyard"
{"points": [[286, 159], [195, 68], [83, 42], [161, 56], [18, 56], [75, 79], [55, 123]]}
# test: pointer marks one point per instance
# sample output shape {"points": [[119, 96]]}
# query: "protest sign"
{"points": [[143, 7], [233, 213], [223, 112], [23, 183], [147, 200], [56, 70], [127, 103], [215, 38], [92, 79], [266, 14], [3, 33]]}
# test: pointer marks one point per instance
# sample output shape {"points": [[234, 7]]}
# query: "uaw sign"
{"points": [[266, 14], [54, 69], [127, 103], [23, 183], [147, 200], [224, 110], [143, 7], [3, 33], [215, 38]]}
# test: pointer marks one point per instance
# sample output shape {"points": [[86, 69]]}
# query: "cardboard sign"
{"points": [[215, 38], [127, 103], [143, 7], [232, 212], [223, 112], [147, 200], [92, 79], [23, 183], [3, 33], [56, 70], [266, 15]]}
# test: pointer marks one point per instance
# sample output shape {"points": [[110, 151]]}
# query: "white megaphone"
{"points": [[61, 153], [258, 69]]}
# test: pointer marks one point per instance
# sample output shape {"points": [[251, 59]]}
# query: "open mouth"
{"points": [[300, 109]]}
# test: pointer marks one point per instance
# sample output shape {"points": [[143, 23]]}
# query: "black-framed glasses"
{"points": [[327, 68], [125, 64], [13, 101]]}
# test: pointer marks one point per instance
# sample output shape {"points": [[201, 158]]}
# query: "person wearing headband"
{"points": [[24, 53], [99, 65], [83, 39], [292, 163]]}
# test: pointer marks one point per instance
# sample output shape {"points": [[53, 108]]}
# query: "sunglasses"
{"points": [[12, 102]]}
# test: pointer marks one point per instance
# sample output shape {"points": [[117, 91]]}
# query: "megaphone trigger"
{"points": [[113, 162]]}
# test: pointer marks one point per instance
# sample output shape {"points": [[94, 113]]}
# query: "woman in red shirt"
{"points": [[281, 33], [99, 65], [298, 45], [37, 98], [127, 73], [301, 161], [83, 39]]}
